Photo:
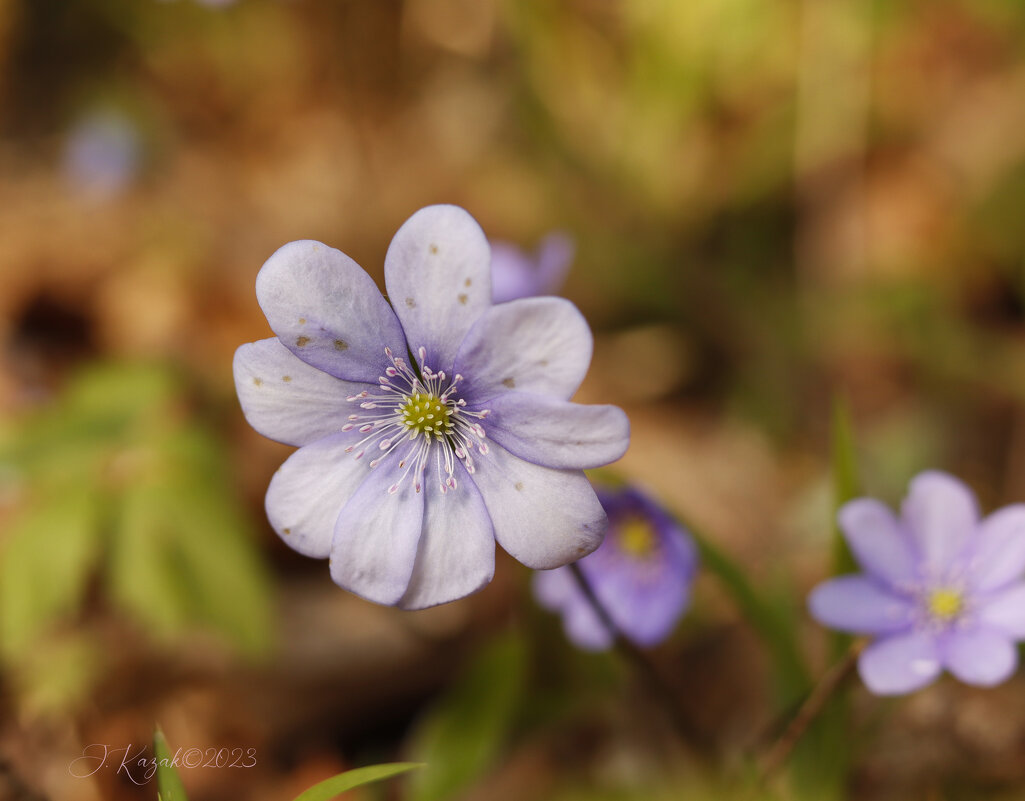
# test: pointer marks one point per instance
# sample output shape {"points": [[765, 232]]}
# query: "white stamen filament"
{"points": [[418, 410]]}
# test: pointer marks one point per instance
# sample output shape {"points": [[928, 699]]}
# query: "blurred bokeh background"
{"points": [[775, 203]]}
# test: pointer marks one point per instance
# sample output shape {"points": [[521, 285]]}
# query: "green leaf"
{"points": [[183, 554], [45, 561], [169, 783], [57, 673], [463, 735], [330, 788]]}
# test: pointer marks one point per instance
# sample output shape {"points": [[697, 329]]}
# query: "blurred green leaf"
{"points": [[181, 554], [45, 560], [169, 783], [330, 788], [57, 672], [115, 470], [461, 738]]}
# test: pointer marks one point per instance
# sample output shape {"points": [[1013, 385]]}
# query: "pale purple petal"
{"points": [[644, 601], [543, 517], [1004, 610], [940, 515], [1000, 550], [557, 433], [286, 399], [555, 254], [860, 606], [559, 591], [979, 656], [377, 535], [900, 664], [536, 345], [438, 275], [512, 274], [584, 628], [456, 555], [553, 589], [308, 491], [328, 311], [877, 540], [515, 274]]}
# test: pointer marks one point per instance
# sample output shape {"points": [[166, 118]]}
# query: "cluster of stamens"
{"points": [[940, 602], [418, 410]]}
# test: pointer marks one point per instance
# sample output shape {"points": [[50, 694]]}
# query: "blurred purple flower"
{"points": [[101, 154], [407, 473], [940, 589], [515, 274], [641, 575]]}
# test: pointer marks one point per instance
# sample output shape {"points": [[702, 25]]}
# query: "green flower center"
{"points": [[425, 413], [637, 538], [945, 604]]}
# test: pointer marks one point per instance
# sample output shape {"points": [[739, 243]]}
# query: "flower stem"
{"points": [[641, 662], [812, 707]]}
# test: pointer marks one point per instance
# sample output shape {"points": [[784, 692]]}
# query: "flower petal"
{"points": [[456, 555], [557, 433], [537, 345], [877, 541], [857, 605], [554, 256], [308, 491], [286, 399], [1000, 553], [583, 626], [940, 515], [377, 535], [1005, 611], [979, 656], [438, 275], [512, 274], [328, 311], [644, 601], [543, 517], [553, 589], [900, 664]]}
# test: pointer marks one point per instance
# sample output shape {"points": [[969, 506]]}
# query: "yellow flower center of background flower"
{"points": [[637, 537], [424, 413], [945, 604]]}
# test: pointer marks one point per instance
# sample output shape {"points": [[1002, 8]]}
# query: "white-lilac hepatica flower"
{"points": [[641, 575], [427, 429], [942, 588]]}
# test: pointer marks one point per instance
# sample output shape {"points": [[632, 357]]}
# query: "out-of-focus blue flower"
{"points": [[641, 575], [408, 471], [941, 588], [101, 154], [515, 274]]}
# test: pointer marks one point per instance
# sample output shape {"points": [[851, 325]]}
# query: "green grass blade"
{"points": [[330, 788], [169, 783]]}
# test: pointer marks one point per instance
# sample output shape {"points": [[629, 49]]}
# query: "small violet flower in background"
{"points": [[515, 274], [641, 575], [101, 154], [427, 430], [941, 588]]}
